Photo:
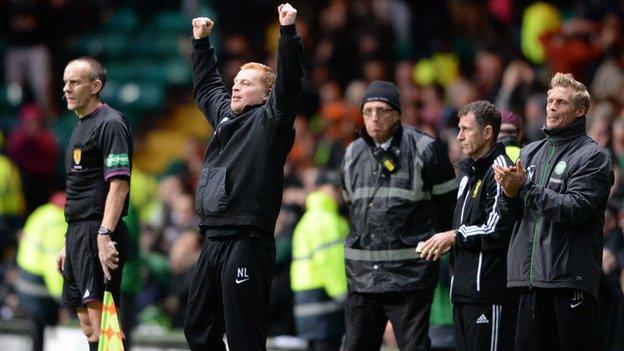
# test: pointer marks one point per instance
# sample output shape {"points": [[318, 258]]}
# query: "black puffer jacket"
{"points": [[390, 213], [558, 241]]}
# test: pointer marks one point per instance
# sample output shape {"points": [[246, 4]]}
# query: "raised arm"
{"points": [[284, 97], [209, 91]]}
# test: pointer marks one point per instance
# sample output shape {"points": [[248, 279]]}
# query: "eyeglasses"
{"points": [[380, 111]]}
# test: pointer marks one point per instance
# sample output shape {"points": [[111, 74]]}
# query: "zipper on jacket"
{"points": [[542, 182]]}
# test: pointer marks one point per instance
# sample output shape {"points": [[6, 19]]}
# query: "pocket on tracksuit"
{"points": [[212, 195]]}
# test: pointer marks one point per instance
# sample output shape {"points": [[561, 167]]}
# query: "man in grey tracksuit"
{"points": [[558, 191]]}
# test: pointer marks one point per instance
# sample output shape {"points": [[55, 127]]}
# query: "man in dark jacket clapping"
{"points": [[556, 249]]}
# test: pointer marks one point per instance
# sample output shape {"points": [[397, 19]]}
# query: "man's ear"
{"points": [[580, 111], [267, 93], [488, 132], [96, 87]]}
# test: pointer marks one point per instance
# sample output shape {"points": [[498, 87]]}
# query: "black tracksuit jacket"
{"points": [[479, 256], [557, 242], [242, 174]]}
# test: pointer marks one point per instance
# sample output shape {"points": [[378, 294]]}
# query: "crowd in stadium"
{"points": [[442, 55]]}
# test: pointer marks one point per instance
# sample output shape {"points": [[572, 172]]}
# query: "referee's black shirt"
{"points": [[99, 149]]}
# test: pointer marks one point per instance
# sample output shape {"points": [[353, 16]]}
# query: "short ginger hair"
{"points": [[266, 75]]}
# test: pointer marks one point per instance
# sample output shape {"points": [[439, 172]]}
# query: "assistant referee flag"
{"points": [[110, 335]]}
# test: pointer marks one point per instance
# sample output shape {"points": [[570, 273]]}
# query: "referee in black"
{"points": [[240, 189], [98, 164]]}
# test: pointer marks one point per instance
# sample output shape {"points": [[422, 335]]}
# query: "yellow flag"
{"points": [[110, 335]]}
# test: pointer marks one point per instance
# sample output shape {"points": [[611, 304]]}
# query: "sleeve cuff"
{"points": [[203, 43], [117, 174], [525, 188], [288, 31]]}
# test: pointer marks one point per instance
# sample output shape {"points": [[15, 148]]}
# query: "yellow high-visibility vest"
{"points": [[318, 248], [42, 241], [11, 197]]}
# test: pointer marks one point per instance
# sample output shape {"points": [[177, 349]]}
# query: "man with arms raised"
{"points": [[240, 189]]}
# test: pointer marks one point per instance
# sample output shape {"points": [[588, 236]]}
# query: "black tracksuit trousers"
{"points": [[229, 293], [484, 327], [556, 319]]}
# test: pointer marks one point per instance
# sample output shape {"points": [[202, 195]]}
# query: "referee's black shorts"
{"points": [[83, 276]]}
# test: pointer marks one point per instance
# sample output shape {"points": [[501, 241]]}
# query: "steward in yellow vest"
{"points": [[39, 284], [318, 276]]}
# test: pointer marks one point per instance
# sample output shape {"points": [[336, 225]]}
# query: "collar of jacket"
{"points": [[247, 109], [572, 131], [318, 200], [396, 137], [480, 166]]}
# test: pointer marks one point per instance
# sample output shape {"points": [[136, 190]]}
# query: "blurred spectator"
{"points": [[302, 153], [39, 285], [599, 125], [12, 204], [187, 168], [169, 188], [27, 60], [608, 82], [517, 83], [611, 299], [537, 19], [573, 48], [434, 112], [34, 150], [281, 318], [487, 75], [182, 258], [617, 141], [339, 123], [510, 134], [535, 115], [182, 218], [318, 276]]}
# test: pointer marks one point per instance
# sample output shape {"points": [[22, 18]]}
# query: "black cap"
{"points": [[380, 90]]}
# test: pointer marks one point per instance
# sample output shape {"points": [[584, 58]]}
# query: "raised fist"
{"points": [[287, 14], [202, 26]]}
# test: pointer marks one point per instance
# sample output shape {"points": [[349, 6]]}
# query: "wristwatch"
{"points": [[104, 230]]}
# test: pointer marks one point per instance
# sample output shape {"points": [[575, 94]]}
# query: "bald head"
{"points": [[84, 80], [96, 69]]}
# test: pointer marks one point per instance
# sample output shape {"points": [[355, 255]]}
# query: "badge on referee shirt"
{"points": [[77, 158]]}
